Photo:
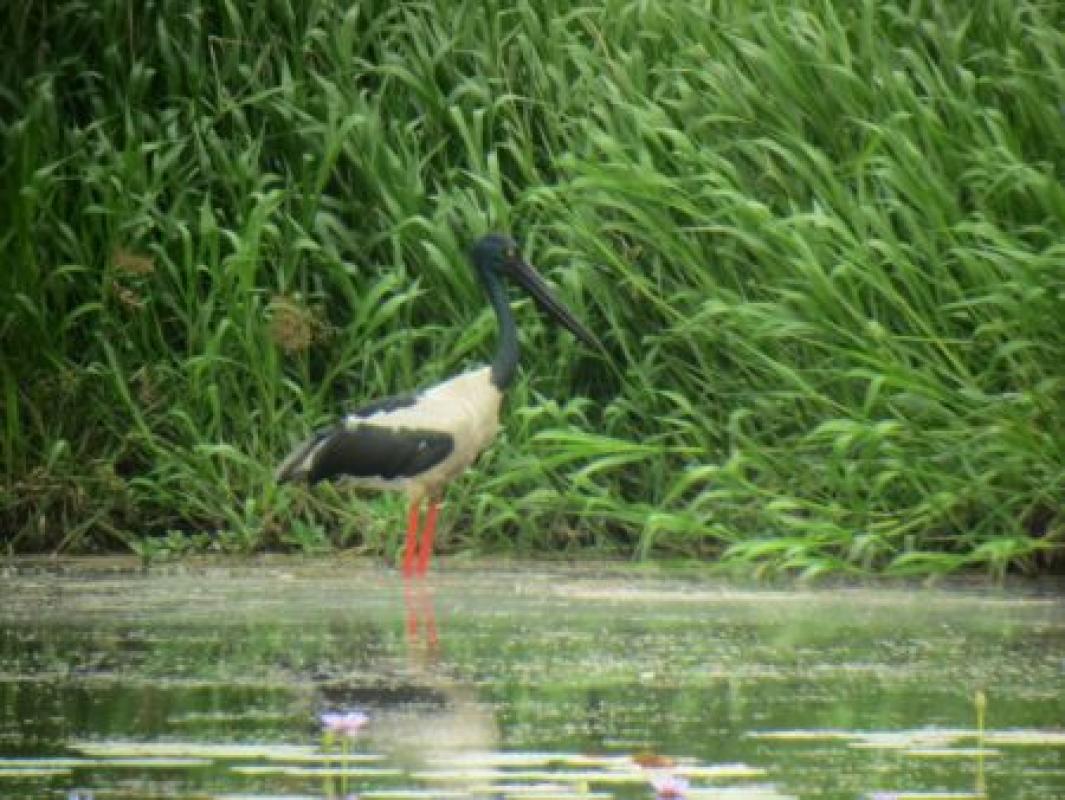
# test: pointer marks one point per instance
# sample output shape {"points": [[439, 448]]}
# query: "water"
{"points": [[538, 682]]}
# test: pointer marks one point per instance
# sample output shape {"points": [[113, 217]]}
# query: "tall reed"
{"points": [[823, 242]]}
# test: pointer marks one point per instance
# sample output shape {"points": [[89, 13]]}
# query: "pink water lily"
{"points": [[347, 723], [669, 787]]}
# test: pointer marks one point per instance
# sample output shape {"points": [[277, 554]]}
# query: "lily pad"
{"points": [[953, 752], [803, 735], [41, 763], [149, 762], [32, 772], [578, 776], [538, 791], [531, 759], [718, 771], [220, 751], [736, 793], [315, 771], [1026, 737], [408, 794], [326, 758]]}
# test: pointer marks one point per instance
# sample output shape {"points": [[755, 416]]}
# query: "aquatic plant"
{"points": [[346, 723], [343, 726], [980, 702], [821, 240], [669, 787]]}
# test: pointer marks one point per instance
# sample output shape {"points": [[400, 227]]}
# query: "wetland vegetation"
{"points": [[530, 684], [823, 242]]}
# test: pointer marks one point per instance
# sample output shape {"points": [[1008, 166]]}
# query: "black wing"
{"points": [[367, 450], [374, 451]]}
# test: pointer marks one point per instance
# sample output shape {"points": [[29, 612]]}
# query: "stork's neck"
{"points": [[505, 363]]}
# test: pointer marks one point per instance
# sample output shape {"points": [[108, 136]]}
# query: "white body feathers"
{"points": [[464, 409]]}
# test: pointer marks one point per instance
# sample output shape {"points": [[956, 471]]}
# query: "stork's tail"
{"points": [[299, 464]]}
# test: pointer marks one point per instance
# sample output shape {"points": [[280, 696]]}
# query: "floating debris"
{"points": [[653, 761]]}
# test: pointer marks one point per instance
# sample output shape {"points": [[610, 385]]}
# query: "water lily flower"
{"points": [[669, 787], [348, 723]]}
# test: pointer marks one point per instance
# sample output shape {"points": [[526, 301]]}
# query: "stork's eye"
{"points": [[511, 253]]}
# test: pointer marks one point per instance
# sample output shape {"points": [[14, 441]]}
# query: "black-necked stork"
{"points": [[417, 442]]}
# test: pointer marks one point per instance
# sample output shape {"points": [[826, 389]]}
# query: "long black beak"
{"points": [[530, 279]]}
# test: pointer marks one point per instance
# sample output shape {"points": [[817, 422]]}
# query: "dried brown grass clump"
{"points": [[130, 268], [294, 326], [130, 263]]}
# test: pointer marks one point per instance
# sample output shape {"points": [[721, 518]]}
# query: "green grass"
{"points": [[824, 243]]}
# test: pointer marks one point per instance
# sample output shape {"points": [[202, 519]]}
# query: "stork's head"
{"points": [[497, 256], [495, 253]]}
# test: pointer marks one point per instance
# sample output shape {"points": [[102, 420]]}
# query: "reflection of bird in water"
{"points": [[432, 733], [419, 717], [423, 640]]}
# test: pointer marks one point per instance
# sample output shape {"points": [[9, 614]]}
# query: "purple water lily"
{"points": [[669, 787], [347, 723]]}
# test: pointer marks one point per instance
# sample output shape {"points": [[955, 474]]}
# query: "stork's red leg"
{"points": [[412, 540], [426, 551]]}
